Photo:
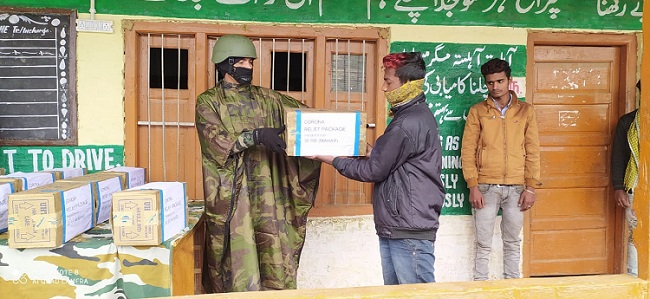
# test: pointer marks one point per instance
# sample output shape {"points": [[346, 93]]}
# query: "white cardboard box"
{"points": [[135, 175], [313, 132], [50, 215], [66, 173], [149, 214], [29, 180], [5, 190], [104, 184]]}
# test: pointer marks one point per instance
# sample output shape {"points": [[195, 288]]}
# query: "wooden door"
{"points": [[346, 62], [166, 136], [576, 98], [286, 65]]}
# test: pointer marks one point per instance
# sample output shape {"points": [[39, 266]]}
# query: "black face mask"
{"points": [[241, 74]]}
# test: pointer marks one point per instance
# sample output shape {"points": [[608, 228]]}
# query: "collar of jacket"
{"points": [[418, 99], [235, 86], [515, 101]]}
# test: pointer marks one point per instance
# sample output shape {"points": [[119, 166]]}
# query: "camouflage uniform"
{"points": [[92, 266], [256, 200]]}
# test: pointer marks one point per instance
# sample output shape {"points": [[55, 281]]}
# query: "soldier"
{"points": [[256, 197]]}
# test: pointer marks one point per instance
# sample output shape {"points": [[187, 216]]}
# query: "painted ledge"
{"points": [[591, 287]]}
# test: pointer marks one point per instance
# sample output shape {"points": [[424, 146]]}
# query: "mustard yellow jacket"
{"points": [[498, 150]]}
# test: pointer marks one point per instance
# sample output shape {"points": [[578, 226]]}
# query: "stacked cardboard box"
{"points": [[313, 132], [149, 214], [104, 184], [5, 190], [50, 215], [66, 173], [25, 181], [135, 175], [19, 181]]}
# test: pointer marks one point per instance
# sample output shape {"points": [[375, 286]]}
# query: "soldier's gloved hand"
{"points": [[270, 138]]}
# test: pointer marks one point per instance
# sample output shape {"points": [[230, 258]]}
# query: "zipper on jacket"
{"points": [[505, 145], [233, 199], [392, 193]]}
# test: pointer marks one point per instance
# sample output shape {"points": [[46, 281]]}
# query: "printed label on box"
{"points": [[131, 219], [69, 172], [79, 211], [34, 179], [105, 190], [174, 211], [126, 218], [135, 175], [334, 133], [5, 190], [24, 214]]}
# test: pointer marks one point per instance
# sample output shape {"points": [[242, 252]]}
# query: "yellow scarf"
{"points": [[632, 170], [405, 93]]}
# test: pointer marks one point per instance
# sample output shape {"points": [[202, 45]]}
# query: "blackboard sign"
{"points": [[37, 77]]}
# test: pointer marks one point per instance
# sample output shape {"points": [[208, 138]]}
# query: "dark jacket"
{"points": [[405, 166], [621, 150]]}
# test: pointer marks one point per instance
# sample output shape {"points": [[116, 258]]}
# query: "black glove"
{"points": [[270, 138]]}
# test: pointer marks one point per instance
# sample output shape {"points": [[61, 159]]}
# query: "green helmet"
{"points": [[232, 45]]}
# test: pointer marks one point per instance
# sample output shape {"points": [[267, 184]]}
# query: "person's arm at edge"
{"points": [[618, 164], [531, 145], [620, 156], [469, 149], [532, 162]]}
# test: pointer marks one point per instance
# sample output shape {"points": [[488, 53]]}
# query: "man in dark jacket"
{"points": [[405, 166], [624, 176]]}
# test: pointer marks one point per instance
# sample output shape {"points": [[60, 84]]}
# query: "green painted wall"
{"points": [[37, 158], [453, 84], [579, 14]]}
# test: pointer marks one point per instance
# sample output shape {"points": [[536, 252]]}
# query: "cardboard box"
{"points": [[50, 215], [313, 132], [66, 173], [103, 184], [2, 171], [5, 190], [25, 181], [135, 175], [16, 183], [149, 214], [124, 177]]}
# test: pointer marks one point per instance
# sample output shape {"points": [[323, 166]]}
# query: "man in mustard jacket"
{"points": [[500, 158]]}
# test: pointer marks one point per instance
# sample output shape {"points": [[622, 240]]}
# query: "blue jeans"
{"points": [[406, 261]]}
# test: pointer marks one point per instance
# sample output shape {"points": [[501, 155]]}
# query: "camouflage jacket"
{"points": [[256, 200]]}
